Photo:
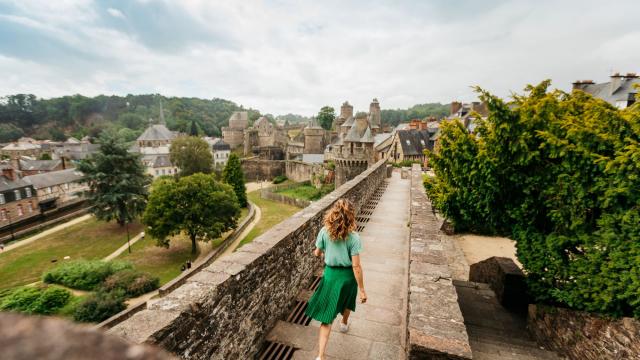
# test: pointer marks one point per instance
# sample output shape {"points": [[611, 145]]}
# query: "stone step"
{"points": [[518, 337]]}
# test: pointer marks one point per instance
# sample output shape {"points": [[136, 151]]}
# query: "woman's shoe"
{"points": [[344, 327]]}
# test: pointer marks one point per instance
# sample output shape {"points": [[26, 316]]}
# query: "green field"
{"points": [[163, 262], [91, 239], [306, 192], [272, 213]]}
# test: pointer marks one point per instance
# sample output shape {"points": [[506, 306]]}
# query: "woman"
{"points": [[342, 277]]}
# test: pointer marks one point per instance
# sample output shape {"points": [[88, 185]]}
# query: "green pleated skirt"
{"points": [[336, 292]]}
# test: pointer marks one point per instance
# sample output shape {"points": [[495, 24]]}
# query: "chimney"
{"points": [[582, 84], [616, 82], [455, 107], [346, 110], [480, 108], [9, 173], [631, 75]]}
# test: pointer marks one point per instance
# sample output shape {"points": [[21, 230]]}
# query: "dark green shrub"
{"points": [[133, 283], [100, 306], [279, 179], [36, 300], [83, 274], [560, 173]]}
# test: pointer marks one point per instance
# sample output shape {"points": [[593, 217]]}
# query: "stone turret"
{"points": [[346, 113], [354, 151], [313, 138], [375, 116]]}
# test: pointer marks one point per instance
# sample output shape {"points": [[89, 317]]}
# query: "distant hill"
{"points": [[293, 118], [77, 115], [420, 111]]}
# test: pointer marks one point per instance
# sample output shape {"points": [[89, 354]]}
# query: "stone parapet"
{"points": [[225, 310], [436, 327], [583, 336]]}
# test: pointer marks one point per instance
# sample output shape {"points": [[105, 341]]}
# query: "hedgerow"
{"points": [[560, 174], [44, 300], [83, 274]]}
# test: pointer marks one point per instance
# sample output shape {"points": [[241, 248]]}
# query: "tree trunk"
{"points": [[193, 244]]}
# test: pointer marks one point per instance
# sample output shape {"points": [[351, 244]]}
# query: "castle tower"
{"points": [[354, 153], [346, 112], [234, 133], [313, 138]]}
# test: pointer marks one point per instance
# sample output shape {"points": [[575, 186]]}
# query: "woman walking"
{"points": [[342, 276]]}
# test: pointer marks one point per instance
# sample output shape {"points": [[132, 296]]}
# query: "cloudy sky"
{"points": [[292, 56]]}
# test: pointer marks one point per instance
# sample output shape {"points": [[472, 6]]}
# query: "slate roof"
{"points": [[219, 145], [8, 184], [360, 132], [313, 158], [604, 91], [39, 165], [21, 146], [157, 132], [161, 161], [414, 142], [52, 178]]}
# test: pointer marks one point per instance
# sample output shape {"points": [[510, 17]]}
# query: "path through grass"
{"points": [[91, 239], [273, 213]]}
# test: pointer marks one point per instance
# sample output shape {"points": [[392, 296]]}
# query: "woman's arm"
{"points": [[317, 252], [357, 271]]}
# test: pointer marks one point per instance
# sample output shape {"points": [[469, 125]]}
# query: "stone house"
{"points": [[620, 91], [159, 165], [57, 189], [18, 200], [468, 113], [410, 145], [17, 150]]}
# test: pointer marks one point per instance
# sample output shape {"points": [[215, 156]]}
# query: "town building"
{"points": [[220, 151], [18, 200], [72, 150], [31, 167], [155, 144], [411, 144], [263, 134], [234, 133], [469, 113], [620, 91], [19, 149], [58, 189]]}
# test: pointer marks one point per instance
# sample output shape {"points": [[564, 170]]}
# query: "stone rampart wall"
{"points": [[299, 171], [583, 336], [436, 327], [256, 169], [226, 310]]}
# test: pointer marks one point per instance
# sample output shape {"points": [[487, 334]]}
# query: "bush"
{"points": [[100, 306], [406, 163], [559, 173], [36, 300], [131, 282], [83, 274], [279, 179]]}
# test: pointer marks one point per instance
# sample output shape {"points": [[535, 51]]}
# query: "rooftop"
{"points": [[52, 178]]}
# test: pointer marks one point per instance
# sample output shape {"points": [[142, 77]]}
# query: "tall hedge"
{"points": [[560, 174]]}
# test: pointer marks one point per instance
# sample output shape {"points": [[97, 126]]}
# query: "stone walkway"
{"points": [[378, 328]]}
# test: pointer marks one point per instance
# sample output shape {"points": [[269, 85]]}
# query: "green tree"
{"points": [[198, 205], [191, 155], [326, 116], [10, 132], [233, 175], [117, 182], [132, 121], [558, 173], [45, 156], [193, 131]]}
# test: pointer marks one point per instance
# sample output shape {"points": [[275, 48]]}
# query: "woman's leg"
{"points": [[345, 316], [325, 331]]}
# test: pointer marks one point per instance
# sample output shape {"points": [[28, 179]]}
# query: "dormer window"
{"points": [[17, 194], [2, 200], [28, 192]]}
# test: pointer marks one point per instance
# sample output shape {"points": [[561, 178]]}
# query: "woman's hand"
{"points": [[363, 296], [317, 252]]}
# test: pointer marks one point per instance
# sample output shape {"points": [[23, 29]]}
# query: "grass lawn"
{"points": [[306, 192], [163, 262], [272, 213], [91, 239]]}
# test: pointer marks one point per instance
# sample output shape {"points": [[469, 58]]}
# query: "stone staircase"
{"points": [[496, 333]]}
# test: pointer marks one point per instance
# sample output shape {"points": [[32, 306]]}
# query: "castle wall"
{"points": [[226, 310], [348, 169], [299, 171], [256, 169], [233, 137]]}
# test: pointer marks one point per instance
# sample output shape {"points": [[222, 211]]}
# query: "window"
{"points": [[30, 207], [2, 201], [157, 172], [3, 215], [28, 192], [17, 194], [20, 211]]}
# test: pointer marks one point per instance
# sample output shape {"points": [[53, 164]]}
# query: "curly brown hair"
{"points": [[340, 220]]}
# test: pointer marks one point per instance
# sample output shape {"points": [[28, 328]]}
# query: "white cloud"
{"points": [[116, 13], [282, 56]]}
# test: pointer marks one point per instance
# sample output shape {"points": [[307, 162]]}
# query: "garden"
{"points": [[558, 173]]}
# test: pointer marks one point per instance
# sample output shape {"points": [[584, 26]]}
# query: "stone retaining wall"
{"points": [[583, 336], [182, 278], [225, 310], [256, 169], [299, 171], [436, 327]]}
